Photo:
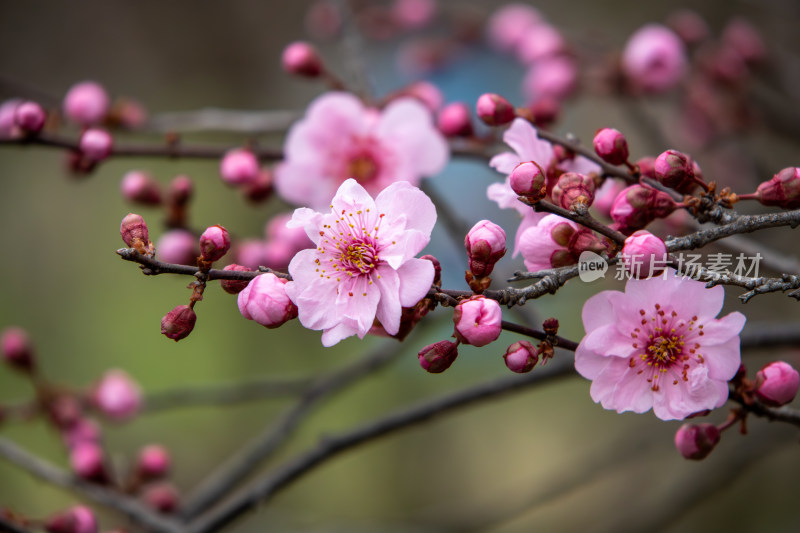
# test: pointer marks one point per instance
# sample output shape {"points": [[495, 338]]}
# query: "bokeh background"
{"points": [[546, 459]]}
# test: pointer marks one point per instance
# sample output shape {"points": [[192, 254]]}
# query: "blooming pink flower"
{"points": [[654, 58], [478, 320], [527, 146], [339, 139], [117, 395], [363, 266], [658, 345]]}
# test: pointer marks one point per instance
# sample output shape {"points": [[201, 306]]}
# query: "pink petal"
{"points": [[416, 276], [589, 363], [309, 220], [314, 304], [633, 393], [598, 310], [400, 199], [336, 333], [608, 340], [723, 359], [522, 138], [357, 303], [299, 183], [721, 330], [389, 306], [352, 197], [406, 125], [505, 162], [530, 219]]}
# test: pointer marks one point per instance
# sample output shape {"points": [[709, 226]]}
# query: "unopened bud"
{"points": [[495, 110], [437, 269], [550, 326], [637, 206], [30, 117], [238, 167], [521, 357], [485, 244], [232, 286], [437, 357], [178, 323], [78, 519], [178, 247], [675, 170], [163, 497], [573, 189], [611, 146], [214, 243], [478, 321], [134, 230], [96, 144], [644, 255], [544, 111], [153, 462], [17, 349], [88, 462], [695, 441], [782, 190], [302, 59], [265, 301], [777, 383], [117, 395], [140, 187], [86, 103], [454, 120], [528, 179], [180, 190], [259, 189]]}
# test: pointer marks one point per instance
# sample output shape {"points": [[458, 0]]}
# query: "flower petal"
{"points": [[416, 276]]}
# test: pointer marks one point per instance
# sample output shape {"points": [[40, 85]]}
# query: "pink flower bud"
{"points": [[782, 190], [178, 247], [521, 357], [495, 110], [426, 92], [611, 146], [478, 321], [508, 25], [250, 253], [8, 124], [96, 144], [695, 441], [17, 348], [128, 113], [528, 179], [675, 170], [30, 117], [413, 14], [260, 189], [86, 103], [214, 243], [654, 58], [573, 189], [437, 357], [78, 519], [647, 166], [637, 206], [178, 323], [239, 166], [81, 431], [777, 383], [133, 229], [689, 26], [644, 255], [180, 190], [485, 244], [454, 120], [153, 462], [544, 111], [163, 497], [117, 395], [88, 462], [140, 187], [302, 59], [742, 36], [265, 301], [551, 78], [437, 269], [65, 411], [234, 287]]}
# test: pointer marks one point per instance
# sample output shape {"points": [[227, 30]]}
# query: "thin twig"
{"points": [[265, 488], [583, 218], [245, 461], [101, 495]]}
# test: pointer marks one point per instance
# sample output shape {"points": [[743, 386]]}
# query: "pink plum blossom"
{"points": [[363, 266], [659, 346], [527, 146], [508, 25], [339, 139], [117, 395]]}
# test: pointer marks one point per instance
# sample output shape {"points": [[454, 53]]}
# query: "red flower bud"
{"points": [[521, 357], [695, 441], [437, 357], [302, 59], [133, 229], [485, 244], [573, 189], [495, 110], [675, 170], [17, 348], [782, 190], [231, 286], [178, 323], [214, 243], [611, 146], [454, 120]]}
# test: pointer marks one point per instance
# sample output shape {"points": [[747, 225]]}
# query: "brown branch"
{"points": [[561, 342], [126, 505]]}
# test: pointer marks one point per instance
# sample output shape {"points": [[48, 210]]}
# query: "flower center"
{"points": [[362, 168], [360, 256], [662, 347]]}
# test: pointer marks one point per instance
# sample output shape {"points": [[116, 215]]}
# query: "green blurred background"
{"points": [[547, 459]]}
